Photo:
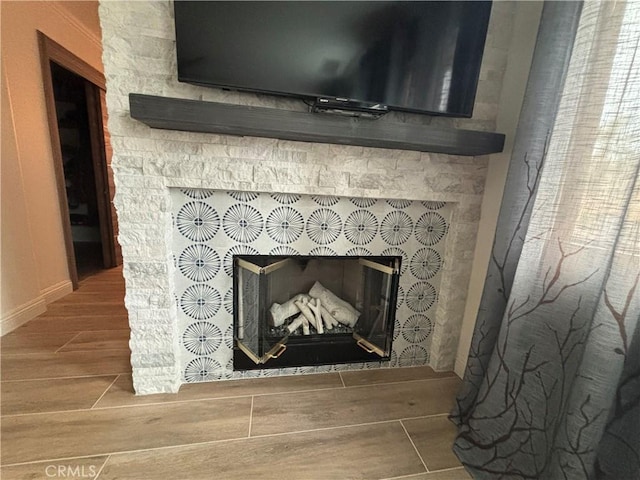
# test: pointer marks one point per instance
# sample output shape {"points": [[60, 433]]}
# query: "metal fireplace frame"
{"points": [[256, 346]]}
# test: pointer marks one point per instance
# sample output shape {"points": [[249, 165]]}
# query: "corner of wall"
{"points": [[522, 44], [21, 315]]}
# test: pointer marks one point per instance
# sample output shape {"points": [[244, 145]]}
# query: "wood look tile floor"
{"points": [[68, 411]]}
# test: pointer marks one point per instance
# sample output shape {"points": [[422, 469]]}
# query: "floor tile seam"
{"points": [[402, 477], [434, 415], [77, 330], [321, 429], [375, 384], [402, 381], [106, 330], [49, 352], [97, 307], [70, 377], [208, 398], [171, 402], [15, 334], [75, 315], [81, 301], [79, 292], [125, 452], [340, 388], [151, 404], [70, 340], [156, 404], [205, 399], [96, 350], [105, 392], [414, 446], [58, 459], [448, 469], [250, 417], [52, 412], [102, 467], [115, 407], [193, 444], [62, 378]]}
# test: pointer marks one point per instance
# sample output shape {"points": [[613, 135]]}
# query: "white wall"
{"points": [[34, 266]]}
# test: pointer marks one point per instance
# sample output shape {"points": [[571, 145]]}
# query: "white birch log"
{"points": [[280, 312], [296, 323], [303, 306], [305, 326], [342, 311], [315, 305], [328, 319]]}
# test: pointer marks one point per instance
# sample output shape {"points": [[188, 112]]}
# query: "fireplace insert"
{"points": [[292, 311]]}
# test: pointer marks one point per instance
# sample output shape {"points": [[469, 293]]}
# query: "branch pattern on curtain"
{"points": [[552, 386]]}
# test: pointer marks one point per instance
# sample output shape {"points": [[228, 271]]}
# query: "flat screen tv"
{"points": [[413, 56]]}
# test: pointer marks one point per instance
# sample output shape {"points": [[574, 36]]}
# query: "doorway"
{"points": [[74, 93], [79, 173]]}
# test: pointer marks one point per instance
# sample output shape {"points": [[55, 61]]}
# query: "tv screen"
{"points": [[413, 56]]}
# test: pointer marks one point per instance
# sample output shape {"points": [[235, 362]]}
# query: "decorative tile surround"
{"points": [[139, 56], [211, 226]]}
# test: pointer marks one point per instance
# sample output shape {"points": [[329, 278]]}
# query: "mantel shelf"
{"points": [[209, 117]]}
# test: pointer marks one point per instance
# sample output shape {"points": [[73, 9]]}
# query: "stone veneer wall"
{"points": [[139, 57]]}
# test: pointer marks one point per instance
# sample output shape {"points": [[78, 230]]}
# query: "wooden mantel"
{"points": [[210, 117]]}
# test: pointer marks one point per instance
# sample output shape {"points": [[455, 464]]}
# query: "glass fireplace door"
{"points": [[250, 302], [313, 310], [380, 282]]}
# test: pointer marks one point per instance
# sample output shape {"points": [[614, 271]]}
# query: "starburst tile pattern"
{"points": [[323, 251], [202, 369], [202, 338], [360, 227], [413, 355], [416, 328], [199, 262], [364, 202], [421, 296], [200, 301], [197, 221], [197, 193], [211, 226], [285, 225], [242, 223], [425, 263], [285, 198], [325, 200], [399, 203], [396, 228], [324, 226], [283, 250], [431, 228]]}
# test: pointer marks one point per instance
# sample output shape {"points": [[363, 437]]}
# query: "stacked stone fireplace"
{"points": [[159, 172]]}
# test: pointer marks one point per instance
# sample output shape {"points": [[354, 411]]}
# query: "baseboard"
{"points": [[21, 315], [57, 291]]}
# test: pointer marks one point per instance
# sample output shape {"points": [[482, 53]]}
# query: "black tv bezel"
{"points": [[310, 99]]}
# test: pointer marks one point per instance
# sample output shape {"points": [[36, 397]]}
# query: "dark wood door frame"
{"points": [[50, 51], [99, 159]]}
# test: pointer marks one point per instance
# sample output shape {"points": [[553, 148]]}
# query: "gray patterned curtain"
{"points": [[552, 386]]}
